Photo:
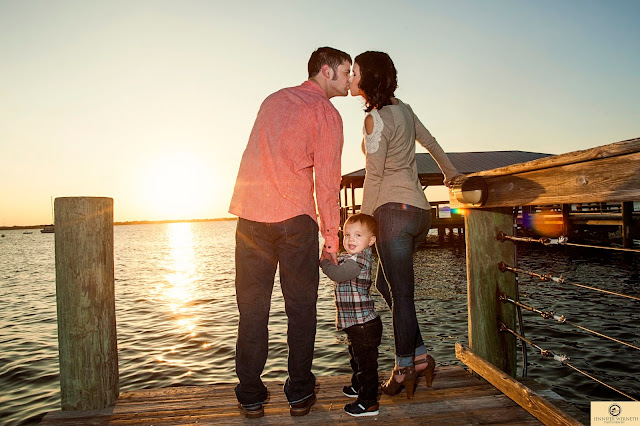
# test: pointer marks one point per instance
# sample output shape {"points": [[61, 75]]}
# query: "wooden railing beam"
{"points": [[605, 151], [537, 406], [611, 179]]}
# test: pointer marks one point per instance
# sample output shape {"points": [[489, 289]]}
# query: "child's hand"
{"points": [[324, 255], [331, 257]]}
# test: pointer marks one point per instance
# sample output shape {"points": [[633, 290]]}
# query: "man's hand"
{"points": [[332, 257]]}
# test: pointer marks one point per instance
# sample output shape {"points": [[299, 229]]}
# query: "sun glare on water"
{"points": [[178, 291], [177, 186]]}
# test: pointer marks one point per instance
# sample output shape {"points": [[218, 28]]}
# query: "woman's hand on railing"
{"points": [[448, 182]]}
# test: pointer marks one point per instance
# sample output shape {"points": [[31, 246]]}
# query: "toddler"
{"points": [[356, 314]]}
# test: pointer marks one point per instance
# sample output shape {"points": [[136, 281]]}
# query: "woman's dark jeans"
{"points": [[260, 248], [364, 340], [401, 228]]}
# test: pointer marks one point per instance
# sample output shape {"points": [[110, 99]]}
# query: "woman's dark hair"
{"points": [[379, 79]]}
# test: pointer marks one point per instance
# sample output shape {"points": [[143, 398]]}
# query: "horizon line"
{"points": [[133, 222]]}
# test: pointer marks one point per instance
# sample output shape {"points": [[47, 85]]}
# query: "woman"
{"points": [[394, 196]]}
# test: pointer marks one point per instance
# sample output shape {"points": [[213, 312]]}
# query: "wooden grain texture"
{"points": [[604, 174], [537, 406], [612, 150], [485, 282], [85, 295], [456, 398]]}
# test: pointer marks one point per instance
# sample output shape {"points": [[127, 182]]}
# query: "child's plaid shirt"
{"points": [[354, 304]]}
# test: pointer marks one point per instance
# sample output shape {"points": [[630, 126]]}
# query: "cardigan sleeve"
{"points": [[424, 138]]}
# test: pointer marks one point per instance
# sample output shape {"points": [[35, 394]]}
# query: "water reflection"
{"points": [[180, 287], [182, 275]]}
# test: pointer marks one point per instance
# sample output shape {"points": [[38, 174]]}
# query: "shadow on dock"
{"points": [[457, 397]]}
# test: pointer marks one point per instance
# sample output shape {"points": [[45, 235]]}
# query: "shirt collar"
{"points": [[313, 86]]}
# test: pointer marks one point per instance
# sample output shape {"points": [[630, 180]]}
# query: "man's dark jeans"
{"points": [[401, 228], [260, 248], [364, 340]]}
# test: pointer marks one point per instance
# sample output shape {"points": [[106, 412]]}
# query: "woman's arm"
{"points": [[424, 138]]}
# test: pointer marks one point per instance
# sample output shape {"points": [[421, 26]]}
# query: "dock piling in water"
{"points": [[86, 302]]}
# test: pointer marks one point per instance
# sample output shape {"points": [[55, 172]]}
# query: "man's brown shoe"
{"points": [[252, 412], [302, 408]]}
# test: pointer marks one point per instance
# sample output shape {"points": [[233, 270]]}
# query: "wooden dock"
{"points": [[457, 397]]}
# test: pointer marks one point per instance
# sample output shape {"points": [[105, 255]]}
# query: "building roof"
{"points": [[464, 162]]}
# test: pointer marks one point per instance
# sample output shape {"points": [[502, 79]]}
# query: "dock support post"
{"points": [[485, 282], [86, 302], [353, 199], [627, 218], [566, 219]]}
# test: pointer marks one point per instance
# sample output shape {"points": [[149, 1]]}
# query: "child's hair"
{"points": [[366, 220]]}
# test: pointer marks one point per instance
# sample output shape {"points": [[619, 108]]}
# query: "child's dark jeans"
{"points": [[364, 340]]}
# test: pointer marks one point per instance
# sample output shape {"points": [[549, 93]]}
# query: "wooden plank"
{"points": [[522, 395], [555, 399], [456, 397], [612, 179], [488, 410], [605, 151], [596, 222], [599, 216], [485, 282]]}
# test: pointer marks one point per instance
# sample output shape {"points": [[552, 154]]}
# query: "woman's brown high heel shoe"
{"points": [[428, 371], [394, 387]]}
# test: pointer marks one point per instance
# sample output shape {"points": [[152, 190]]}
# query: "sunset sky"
{"points": [[151, 102]]}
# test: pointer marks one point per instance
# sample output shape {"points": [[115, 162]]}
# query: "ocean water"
{"points": [[177, 318]]}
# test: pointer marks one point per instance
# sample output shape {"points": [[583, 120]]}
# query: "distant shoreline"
{"points": [[135, 222]]}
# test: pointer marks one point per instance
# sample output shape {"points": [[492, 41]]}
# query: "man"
{"points": [[297, 136]]}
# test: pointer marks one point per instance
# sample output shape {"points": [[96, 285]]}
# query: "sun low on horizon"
{"points": [[179, 185]]}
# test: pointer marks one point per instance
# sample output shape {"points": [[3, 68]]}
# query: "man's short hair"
{"points": [[366, 220], [326, 56]]}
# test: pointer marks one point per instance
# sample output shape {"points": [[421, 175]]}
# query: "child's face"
{"points": [[357, 237]]}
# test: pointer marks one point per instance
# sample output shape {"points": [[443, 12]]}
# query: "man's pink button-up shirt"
{"points": [[297, 132]]}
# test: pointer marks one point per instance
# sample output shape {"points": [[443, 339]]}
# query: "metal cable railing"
{"points": [[563, 359], [561, 319], [503, 267], [562, 240], [549, 277]]}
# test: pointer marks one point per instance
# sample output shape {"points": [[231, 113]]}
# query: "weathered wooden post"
{"points": [[485, 282], [86, 302]]}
